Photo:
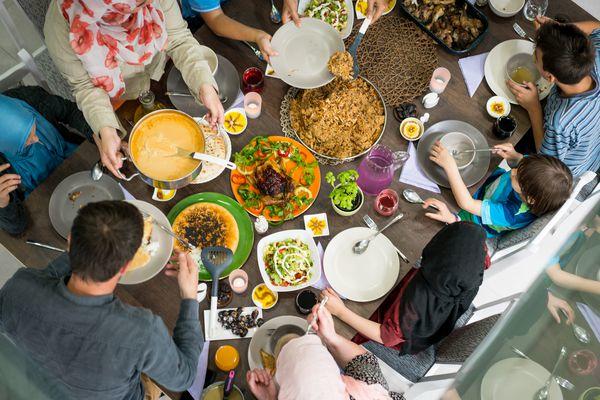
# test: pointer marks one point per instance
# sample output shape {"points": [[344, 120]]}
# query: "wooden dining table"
{"points": [[161, 295]]}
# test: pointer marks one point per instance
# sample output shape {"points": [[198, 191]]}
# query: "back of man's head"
{"points": [[567, 52], [104, 238]]}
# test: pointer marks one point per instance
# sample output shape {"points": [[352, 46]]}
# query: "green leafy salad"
{"points": [[288, 262]]}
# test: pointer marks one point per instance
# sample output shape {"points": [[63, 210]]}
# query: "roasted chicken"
{"points": [[274, 183]]}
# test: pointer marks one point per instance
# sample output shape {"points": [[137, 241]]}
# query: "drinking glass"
{"points": [[533, 8], [252, 80]]}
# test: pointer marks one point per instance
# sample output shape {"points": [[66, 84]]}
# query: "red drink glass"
{"points": [[252, 80], [386, 202]]}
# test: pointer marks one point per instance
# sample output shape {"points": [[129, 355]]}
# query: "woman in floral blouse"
{"points": [[109, 50]]}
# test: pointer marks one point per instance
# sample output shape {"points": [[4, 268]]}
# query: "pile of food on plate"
{"points": [[273, 178], [206, 225], [238, 322], [447, 20], [341, 64], [147, 249], [288, 262], [341, 119], [333, 12]]}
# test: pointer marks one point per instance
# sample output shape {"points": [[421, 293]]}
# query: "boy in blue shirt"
{"points": [[212, 14], [507, 200], [567, 55]]}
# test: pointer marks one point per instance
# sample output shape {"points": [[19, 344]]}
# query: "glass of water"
{"points": [[533, 8]]}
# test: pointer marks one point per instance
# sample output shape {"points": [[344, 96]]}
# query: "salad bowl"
{"points": [[293, 261]]}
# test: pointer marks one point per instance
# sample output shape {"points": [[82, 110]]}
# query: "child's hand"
{"points": [[443, 215], [508, 152], [441, 156], [556, 304]]}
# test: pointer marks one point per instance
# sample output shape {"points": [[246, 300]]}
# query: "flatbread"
{"points": [[143, 256], [205, 225], [268, 361]]}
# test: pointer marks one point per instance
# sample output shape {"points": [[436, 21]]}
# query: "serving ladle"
{"points": [[360, 246], [413, 197]]}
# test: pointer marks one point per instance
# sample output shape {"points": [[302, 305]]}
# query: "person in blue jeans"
{"points": [[507, 200], [567, 55], [218, 22]]}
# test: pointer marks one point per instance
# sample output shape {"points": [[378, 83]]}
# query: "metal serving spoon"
{"points": [[542, 393], [274, 14], [360, 246], [580, 333], [203, 157], [560, 380], [413, 197]]}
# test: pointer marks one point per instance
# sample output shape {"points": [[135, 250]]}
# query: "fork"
{"points": [[181, 240], [521, 32]]}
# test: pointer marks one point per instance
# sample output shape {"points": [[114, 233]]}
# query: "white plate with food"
{"points": [[216, 143], [234, 323], [516, 378], [361, 277], [289, 260], [337, 13], [495, 68], [262, 340], [361, 7], [304, 53], [156, 248]]}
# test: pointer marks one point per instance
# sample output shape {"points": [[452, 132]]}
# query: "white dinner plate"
{"points": [[262, 337], [303, 4], [495, 68], [165, 247], [516, 378], [304, 53], [361, 277]]}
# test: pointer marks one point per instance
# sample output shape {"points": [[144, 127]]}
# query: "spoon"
{"points": [[316, 317], [360, 246], [413, 197], [580, 333], [542, 393], [354, 47], [274, 14], [97, 171], [182, 94], [560, 380], [203, 157], [455, 152]]}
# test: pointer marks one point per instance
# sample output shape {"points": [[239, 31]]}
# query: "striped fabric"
{"points": [[572, 124]]}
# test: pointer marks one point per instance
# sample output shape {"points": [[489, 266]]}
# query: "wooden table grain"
{"points": [[161, 295]]}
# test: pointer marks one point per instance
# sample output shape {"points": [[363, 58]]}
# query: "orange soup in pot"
{"points": [[154, 144]]}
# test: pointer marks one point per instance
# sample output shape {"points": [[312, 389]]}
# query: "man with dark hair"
{"points": [[67, 318], [567, 55]]}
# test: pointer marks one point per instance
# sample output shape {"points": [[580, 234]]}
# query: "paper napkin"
{"points": [[128, 196], [473, 71], [323, 283], [412, 174], [591, 317], [198, 385]]}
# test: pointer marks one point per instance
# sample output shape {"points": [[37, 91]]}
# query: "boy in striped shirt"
{"points": [[567, 55]]}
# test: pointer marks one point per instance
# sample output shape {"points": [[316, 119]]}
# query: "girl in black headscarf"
{"points": [[425, 306]]}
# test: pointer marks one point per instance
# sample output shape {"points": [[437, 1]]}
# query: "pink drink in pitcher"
{"points": [[376, 170]]}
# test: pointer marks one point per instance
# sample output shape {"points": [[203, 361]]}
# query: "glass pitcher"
{"points": [[376, 170]]}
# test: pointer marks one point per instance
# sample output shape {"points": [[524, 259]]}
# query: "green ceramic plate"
{"points": [[241, 217]]}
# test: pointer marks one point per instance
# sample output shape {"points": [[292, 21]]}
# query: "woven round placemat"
{"points": [[397, 57]]}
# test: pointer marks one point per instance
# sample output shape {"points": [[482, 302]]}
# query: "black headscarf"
{"points": [[442, 290]]}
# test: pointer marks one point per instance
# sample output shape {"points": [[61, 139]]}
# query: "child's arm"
{"points": [[443, 158], [571, 281]]}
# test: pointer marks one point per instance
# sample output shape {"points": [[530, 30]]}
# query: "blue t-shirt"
{"points": [[190, 8], [571, 124], [502, 208]]}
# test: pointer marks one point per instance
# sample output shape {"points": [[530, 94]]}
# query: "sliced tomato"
{"points": [[256, 210], [238, 179], [283, 152]]}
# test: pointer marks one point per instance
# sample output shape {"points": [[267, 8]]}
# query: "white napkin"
{"points": [[591, 317], [270, 72], [413, 175], [239, 101], [128, 196], [323, 283], [198, 385], [472, 70]]}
